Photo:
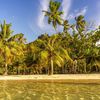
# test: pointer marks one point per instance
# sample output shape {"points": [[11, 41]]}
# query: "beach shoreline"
{"points": [[62, 78]]}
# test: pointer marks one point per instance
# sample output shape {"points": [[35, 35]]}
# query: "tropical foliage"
{"points": [[73, 50]]}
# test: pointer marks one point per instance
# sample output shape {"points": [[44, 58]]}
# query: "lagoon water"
{"points": [[28, 90]]}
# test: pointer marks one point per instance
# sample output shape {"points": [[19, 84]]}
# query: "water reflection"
{"points": [[28, 90]]}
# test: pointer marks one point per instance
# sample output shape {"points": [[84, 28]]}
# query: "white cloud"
{"points": [[77, 13], [82, 11], [71, 16], [66, 5], [44, 4], [41, 22]]}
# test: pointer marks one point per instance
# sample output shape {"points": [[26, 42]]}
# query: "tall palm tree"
{"points": [[54, 54], [54, 14], [9, 45]]}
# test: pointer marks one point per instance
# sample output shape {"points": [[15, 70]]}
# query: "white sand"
{"points": [[58, 76], [70, 78]]}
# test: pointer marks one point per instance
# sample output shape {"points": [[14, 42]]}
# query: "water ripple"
{"points": [[28, 90]]}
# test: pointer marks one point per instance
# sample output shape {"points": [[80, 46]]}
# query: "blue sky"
{"points": [[26, 16]]}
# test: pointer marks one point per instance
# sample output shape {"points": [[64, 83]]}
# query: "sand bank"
{"points": [[63, 78]]}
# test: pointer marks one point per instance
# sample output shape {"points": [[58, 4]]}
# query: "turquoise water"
{"points": [[28, 90]]}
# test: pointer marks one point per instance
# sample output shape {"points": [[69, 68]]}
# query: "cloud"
{"points": [[77, 13], [66, 5], [44, 5], [97, 14], [41, 20], [82, 11]]}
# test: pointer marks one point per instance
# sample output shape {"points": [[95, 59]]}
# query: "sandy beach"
{"points": [[68, 78]]}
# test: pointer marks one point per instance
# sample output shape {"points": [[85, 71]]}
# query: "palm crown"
{"points": [[54, 14]]}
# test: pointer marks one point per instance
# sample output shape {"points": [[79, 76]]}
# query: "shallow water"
{"points": [[28, 90]]}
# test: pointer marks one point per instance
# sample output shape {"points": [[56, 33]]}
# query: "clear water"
{"points": [[28, 90]]}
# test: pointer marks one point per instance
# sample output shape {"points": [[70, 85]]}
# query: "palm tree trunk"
{"points": [[85, 68], [24, 70], [63, 69], [85, 71], [96, 68], [13, 69], [51, 66], [46, 70], [75, 66], [6, 69], [18, 70]]}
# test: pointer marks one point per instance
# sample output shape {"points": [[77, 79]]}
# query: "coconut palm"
{"points": [[66, 26], [54, 14], [9, 45], [54, 54], [80, 23]]}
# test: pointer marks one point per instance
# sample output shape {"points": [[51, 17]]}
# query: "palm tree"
{"points": [[9, 45], [54, 15], [54, 54], [66, 26], [80, 23]]}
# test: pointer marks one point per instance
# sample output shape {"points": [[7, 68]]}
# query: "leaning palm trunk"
{"points": [[50, 69]]}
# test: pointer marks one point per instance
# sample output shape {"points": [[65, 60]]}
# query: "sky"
{"points": [[27, 17]]}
